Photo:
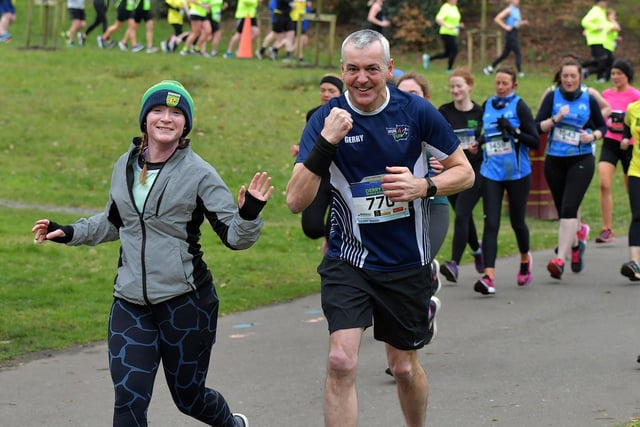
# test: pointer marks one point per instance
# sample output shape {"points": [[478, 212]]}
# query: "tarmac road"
{"points": [[557, 353]]}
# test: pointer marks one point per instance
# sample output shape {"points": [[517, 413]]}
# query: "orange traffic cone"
{"points": [[245, 50]]}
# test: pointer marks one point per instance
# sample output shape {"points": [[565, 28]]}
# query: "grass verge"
{"points": [[68, 114]]}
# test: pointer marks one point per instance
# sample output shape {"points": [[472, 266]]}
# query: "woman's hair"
{"points": [[464, 73], [508, 70], [566, 63], [418, 78]]}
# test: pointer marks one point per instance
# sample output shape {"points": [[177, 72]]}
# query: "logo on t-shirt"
{"points": [[399, 132]]}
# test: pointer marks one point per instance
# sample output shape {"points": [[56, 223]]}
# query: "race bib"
{"points": [[566, 134], [466, 137], [495, 146], [372, 206]]}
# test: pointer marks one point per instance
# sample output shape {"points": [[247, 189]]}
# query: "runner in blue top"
{"points": [[509, 133], [7, 17], [573, 120], [377, 21], [510, 20], [376, 270]]}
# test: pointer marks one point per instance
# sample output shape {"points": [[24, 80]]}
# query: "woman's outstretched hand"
{"points": [[41, 231], [260, 188]]}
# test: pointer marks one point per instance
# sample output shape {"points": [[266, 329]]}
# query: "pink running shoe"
{"points": [[583, 233], [485, 286], [556, 268], [606, 236], [524, 276]]}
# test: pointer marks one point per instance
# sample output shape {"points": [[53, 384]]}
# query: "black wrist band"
{"points": [[251, 208], [321, 156], [67, 229]]}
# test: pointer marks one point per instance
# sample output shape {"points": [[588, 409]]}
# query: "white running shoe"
{"points": [[240, 420]]}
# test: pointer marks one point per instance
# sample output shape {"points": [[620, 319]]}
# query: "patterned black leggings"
{"points": [[180, 332]]}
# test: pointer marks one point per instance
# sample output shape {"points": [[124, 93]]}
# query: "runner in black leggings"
{"points": [[450, 22], [509, 133], [569, 164], [465, 117], [510, 20], [101, 7]]}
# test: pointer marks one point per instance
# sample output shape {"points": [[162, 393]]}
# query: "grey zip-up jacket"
{"points": [[160, 253]]}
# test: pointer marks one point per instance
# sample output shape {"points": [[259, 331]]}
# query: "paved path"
{"points": [[558, 353]]}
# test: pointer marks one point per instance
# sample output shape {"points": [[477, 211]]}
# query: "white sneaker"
{"points": [[240, 420], [487, 70], [436, 283], [434, 307], [426, 61]]}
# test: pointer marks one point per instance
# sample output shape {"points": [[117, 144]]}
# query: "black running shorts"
{"points": [[611, 153], [395, 303]]}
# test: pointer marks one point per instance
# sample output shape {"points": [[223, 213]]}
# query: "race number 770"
{"points": [[379, 200]]}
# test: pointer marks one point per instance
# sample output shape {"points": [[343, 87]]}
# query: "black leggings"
{"points": [[450, 50], [634, 202], [493, 193], [464, 228], [180, 333], [101, 7], [511, 44], [568, 179], [600, 61]]}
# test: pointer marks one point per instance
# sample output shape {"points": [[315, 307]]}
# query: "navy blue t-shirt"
{"points": [[367, 230]]}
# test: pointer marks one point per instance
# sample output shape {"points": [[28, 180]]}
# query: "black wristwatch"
{"points": [[432, 190]]}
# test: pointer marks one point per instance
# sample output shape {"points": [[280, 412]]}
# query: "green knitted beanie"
{"points": [[172, 94]]}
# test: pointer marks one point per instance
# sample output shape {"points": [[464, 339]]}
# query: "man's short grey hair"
{"points": [[363, 38]]}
